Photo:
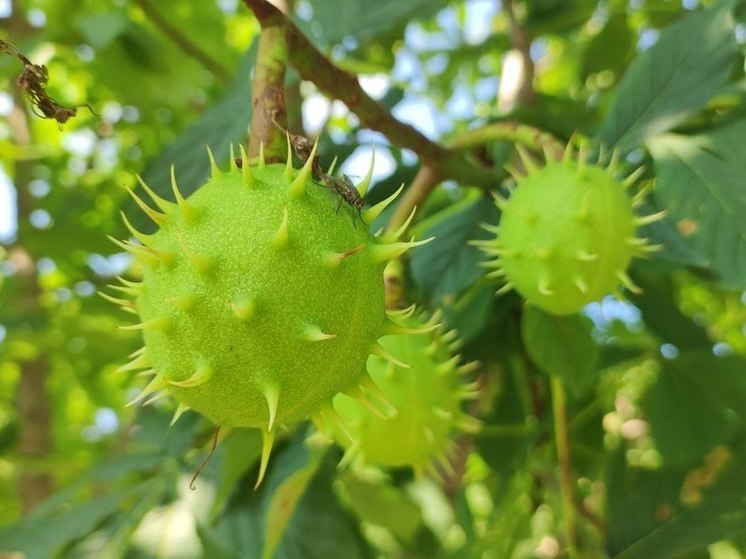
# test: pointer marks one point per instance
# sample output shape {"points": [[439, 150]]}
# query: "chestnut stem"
{"points": [[562, 440], [269, 117]]}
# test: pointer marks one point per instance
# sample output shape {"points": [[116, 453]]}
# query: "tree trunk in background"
{"points": [[32, 399], [517, 80], [35, 441], [35, 484]]}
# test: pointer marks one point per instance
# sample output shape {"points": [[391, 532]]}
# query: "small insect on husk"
{"points": [[302, 148], [342, 186], [346, 190]]}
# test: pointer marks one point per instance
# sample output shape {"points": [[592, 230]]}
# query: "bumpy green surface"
{"points": [[566, 236], [428, 398], [233, 306]]}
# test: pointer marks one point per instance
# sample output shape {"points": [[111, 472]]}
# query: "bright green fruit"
{"points": [[424, 393], [258, 301], [567, 234]]}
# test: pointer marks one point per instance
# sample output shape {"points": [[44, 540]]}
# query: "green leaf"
{"points": [[695, 411], [664, 85], [560, 345], [383, 505], [469, 312], [238, 532], [295, 509], [223, 124], [286, 490], [365, 20], [47, 535], [509, 525], [557, 16], [241, 451], [675, 248], [100, 30], [666, 513], [505, 440], [119, 531], [609, 49], [657, 303], [696, 403], [320, 526], [700, 184], [448, 264]]}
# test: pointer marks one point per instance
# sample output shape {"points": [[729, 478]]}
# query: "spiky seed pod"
{"points": [[567, 234], [412, 420], [258, 302]]}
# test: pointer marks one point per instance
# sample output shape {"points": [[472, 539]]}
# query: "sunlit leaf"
{"points": [[700, 185], [673, 79], [224, 124], [383, 505]]}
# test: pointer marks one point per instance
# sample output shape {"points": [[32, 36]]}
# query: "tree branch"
{"points": [[426, 179], [313, 66], [183, 42], [517, 133]]}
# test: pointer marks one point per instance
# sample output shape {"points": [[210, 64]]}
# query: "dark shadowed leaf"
{"points": [[286, 485], [657, 302], [242, 450], [674, 247], [335, 532], [697, 402], [364, 20], [557, 16], [672, 512], [610, 48], [469, 312], [294, 510], [505, 439], [673, 79], [448, 264]]}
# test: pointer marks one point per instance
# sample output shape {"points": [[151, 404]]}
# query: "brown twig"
{"points": [[312, 65], [183, 42], [205, 460], [426, 179]]}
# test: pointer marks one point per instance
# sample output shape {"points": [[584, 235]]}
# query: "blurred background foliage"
{"points": [[656, 384]]}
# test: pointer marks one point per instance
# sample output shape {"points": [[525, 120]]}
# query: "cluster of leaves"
{"points": [[655, 386]]}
